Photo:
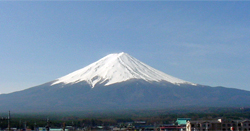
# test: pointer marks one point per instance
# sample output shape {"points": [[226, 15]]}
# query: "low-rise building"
{"points": [[218, 125], [182, 121]]}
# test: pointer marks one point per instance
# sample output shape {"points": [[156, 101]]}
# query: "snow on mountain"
{"points": [[116, 68]]}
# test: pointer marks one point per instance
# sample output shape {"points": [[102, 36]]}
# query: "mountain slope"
{"points": [[132, 94], [118, 82]]}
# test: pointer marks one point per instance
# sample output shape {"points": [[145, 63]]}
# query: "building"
{"points": [[218, 125], [203, 125], [182, 121]]}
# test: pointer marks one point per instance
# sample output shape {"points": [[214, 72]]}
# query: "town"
{"points": [[180, 124]]}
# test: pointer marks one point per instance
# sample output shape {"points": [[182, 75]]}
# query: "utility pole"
{"points": [[48, 125], [20, 123], [35, 126], [63, 126], [9, 121], [25, 125]]}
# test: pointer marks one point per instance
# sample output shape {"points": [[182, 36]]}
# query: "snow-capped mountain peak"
{"points": [[116, 68]]}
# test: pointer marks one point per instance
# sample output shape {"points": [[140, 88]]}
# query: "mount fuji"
{"points": [[117, 68], [117, 82]]}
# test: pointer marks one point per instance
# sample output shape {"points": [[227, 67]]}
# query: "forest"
{"points": [[108, 118]]}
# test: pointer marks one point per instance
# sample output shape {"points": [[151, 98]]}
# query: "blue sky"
{"points": [[202, 42]]}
